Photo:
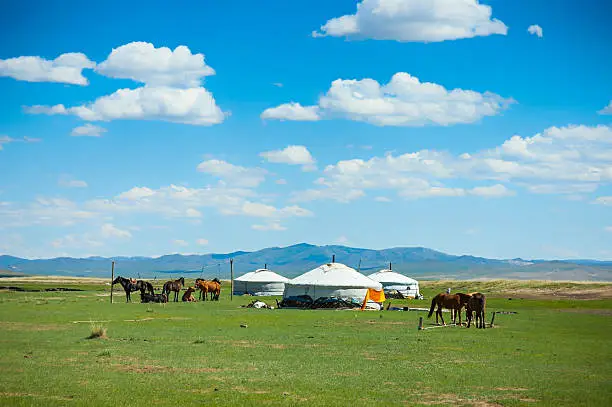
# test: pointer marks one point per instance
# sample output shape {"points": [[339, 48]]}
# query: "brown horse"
{"points": [[213, 287], [477, 304], [454, 302], [188, 296], [175, 286]]}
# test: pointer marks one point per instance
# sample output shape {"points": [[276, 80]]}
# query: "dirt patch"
{"points": [[511, 389], [452, 399], [244, 390], [599, 293], [43, 396], [22, 326]]}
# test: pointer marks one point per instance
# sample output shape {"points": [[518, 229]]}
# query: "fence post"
{"points": [[492, 319], [112, 279], [420, 323], [232, 280]]}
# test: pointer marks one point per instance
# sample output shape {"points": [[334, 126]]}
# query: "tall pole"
{"points": [[232, 279], [112, 279]]}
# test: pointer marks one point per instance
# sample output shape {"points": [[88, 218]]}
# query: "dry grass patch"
{"points": [[511, 389], [97, 332], [43, 396], [244, 390]]}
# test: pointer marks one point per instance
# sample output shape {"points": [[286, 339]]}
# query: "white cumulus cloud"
{"points": [[172, 88], [88, 130], [535, 30], [202, 242], [142, 62], [194, 106], [66, 68], [292, 155], [292, 111], [404, 101], [560, 160], [415, 21], [606, 110]]}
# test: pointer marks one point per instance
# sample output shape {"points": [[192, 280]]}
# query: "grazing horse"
{"points": [[213, 287], [175, 286], [131, 285], [476, 303], [188, 296], [454, 302]]}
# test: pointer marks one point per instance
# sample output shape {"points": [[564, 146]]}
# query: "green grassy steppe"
{"points": [[555, 351]]}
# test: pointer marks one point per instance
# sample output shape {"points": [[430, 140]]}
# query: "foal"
{"points": [[188, 296]]}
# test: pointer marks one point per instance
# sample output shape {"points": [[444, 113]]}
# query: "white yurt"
{"points": [[391, 280], [332, 280], [261, 282]]}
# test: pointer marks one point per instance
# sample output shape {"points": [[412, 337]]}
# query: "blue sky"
{"points": [[208, 126]]}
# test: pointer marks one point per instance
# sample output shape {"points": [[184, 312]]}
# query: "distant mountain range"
{"points": [[293, 260]]}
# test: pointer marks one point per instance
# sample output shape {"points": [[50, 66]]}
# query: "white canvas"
{"points": [[261, 282], [391, 280], [331, 280]]}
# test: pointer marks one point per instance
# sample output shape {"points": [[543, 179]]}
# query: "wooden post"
{"points": [[112, 279], [333, 258], [492, 319], [420, 323], [232, 279]]}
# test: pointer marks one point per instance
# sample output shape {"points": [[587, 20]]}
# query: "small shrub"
{"points": [[97, 331], [199, 340], [105, 354]]}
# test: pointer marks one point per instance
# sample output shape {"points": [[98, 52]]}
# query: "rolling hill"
{"points": [[294, 260]]}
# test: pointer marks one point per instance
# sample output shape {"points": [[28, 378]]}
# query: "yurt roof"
{"points": [[262, 276], [335, 275], [388, 276]]}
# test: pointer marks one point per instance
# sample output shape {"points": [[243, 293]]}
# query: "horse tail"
{"points": [[150, 287], [433, 306]]}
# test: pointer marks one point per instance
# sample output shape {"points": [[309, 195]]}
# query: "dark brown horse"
{"points": [[175, 286], [454, 302], [131, 285], [476, 304]]}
